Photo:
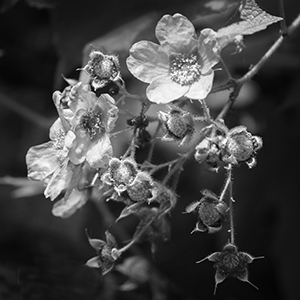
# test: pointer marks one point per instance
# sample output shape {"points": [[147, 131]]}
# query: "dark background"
{"points": [[42, 257]]}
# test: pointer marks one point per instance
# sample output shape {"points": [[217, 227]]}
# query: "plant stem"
{"points": [[227, 184], [229, 176], [137, 237], [282, 15], [167, 164], [186, 155], [150, 153], [238, 83]]}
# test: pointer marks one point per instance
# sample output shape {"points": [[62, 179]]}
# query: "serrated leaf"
{"points": [[254, 19]]}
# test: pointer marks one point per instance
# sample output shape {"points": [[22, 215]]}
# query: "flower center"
{"points": [[230, 261], [91, 122], [184, 70], [125, 173]]}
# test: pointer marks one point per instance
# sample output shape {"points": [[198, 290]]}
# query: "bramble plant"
{"points": [[78, 163]]}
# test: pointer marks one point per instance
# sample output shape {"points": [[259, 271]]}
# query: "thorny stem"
{"points": [[120, 131], [125, 95], [131, 148], [138, 236], [150, 153], [167, 164], [226, 69], [227, 184], [229, 176], [232, 98], [186, 155], [205, 109]]}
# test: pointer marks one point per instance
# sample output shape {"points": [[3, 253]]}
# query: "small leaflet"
{"points": [[254, 19]]}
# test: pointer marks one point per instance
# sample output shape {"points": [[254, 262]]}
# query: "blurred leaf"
{"points": [[118, 41], [41, 4], [217, 6], [24, 186], [6, 5], [114, 26]]}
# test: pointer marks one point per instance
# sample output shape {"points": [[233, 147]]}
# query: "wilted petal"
{"points": [[55, 129], [109, 111], [176, 33], [93, 262], [147, 61], [208, 49], [201, 88], [59, 181], [164, 90], [81, 143], [99, 153], [67, 207], [41, 161]]}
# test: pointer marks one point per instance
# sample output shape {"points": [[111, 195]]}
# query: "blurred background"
{"points": [[43, 257]]}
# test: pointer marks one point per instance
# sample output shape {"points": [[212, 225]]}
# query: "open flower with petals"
{"points": [[92, 119], [49, 162], [180, 66]]}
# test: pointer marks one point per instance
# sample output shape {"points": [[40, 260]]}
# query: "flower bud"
{"points": [[210, 212], [178, 123], [120, 173], [142, 189], [240, 146], [102, 68], [231, 263], [107, 253]]}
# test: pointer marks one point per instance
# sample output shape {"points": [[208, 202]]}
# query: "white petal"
{"points": [[147, 61], [200, 89], [164, 90], [208, 49], [176, 34]]}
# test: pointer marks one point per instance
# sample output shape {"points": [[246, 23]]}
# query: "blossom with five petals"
{"points": [[180, 66], [91, 118]]}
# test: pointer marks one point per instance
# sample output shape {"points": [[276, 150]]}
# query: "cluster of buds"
{"points": [[103, 69], [236, 146], [210, 212], [128, 181], [178, 123], [231, 263]]}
